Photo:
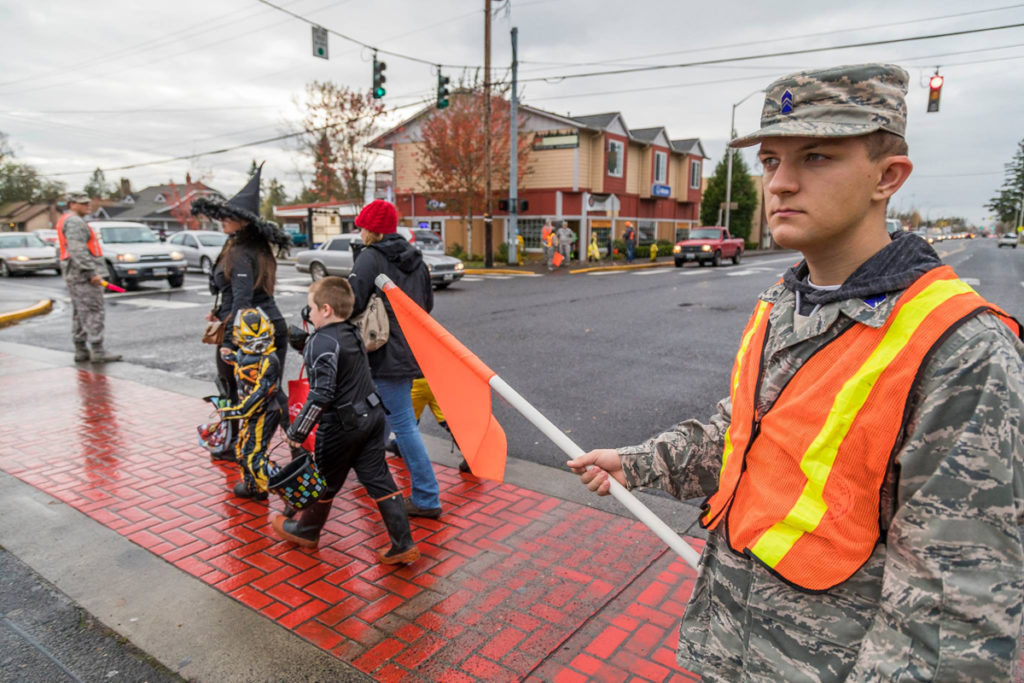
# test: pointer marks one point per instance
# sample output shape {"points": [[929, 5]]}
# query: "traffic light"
{"points": [[378, 78], [934, 91], [442, 89]]}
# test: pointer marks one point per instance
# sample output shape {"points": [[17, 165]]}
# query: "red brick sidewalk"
{"points": [[513, 584]]}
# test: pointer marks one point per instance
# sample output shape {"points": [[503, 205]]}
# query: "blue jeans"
{"points": [[397, 397]]}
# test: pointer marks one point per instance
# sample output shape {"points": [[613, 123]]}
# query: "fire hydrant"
{"points": [[520, 248], [654, 251]]}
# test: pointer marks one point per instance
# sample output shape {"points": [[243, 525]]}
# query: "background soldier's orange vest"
{"points": [[800, 485], [93, 244]]}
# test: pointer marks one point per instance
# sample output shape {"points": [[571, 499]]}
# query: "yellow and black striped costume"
{"points": [[258, 378]]}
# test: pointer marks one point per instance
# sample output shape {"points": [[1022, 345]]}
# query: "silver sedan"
{"points": [[24, 252], [335, 257], [200, 247]]}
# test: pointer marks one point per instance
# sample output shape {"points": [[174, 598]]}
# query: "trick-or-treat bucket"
{"points": [[298, 483]]}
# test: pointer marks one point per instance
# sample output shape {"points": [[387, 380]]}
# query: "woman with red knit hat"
{"points": [[393, 365]]}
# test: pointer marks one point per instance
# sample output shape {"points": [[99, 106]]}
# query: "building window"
{"points": [[615, 158], [660, 167], [646, 232], [530, 229], [682, 234], [694, 174]]}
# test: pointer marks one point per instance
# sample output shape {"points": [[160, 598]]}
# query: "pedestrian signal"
{"points": [[934, 92], [442, 90], [378, 78]]}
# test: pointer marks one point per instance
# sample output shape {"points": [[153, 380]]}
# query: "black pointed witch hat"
{"points": [[244, 206]]}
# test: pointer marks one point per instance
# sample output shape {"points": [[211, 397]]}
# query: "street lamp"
{"points": [[730, 151]]}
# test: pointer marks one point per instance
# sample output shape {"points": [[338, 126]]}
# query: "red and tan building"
{"points": [[592, 172]]}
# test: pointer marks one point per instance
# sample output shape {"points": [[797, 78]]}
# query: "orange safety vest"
{"points": [[93, 244], [799, 488]]}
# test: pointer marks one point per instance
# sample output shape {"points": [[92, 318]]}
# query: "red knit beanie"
{"points": [[378, 216]]}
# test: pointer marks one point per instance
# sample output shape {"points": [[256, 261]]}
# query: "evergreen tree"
{"points": [[1007, 201], [326, 184], [97, 186], [743, 193], [276, 196]]}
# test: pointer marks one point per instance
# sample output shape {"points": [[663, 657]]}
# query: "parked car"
{"points": [[335, 256], [200, 247], [48, 235], [422, 239], [133, 253], [708, 245], [893, 225], [294, 231], [25, 252], [1010, 239]]}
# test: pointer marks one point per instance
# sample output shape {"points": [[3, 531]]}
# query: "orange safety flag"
{"points": [[459, 381], [557, 259]]}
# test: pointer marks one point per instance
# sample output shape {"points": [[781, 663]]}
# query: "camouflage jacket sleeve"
{"points": [[953, 584], [685, 460], [76, 232]]}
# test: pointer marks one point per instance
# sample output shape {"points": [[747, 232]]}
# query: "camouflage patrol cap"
{"points": [[77, 198], [840, 102]]}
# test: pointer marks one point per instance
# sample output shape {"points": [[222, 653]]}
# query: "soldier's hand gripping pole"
{"points": [[618, 491]]}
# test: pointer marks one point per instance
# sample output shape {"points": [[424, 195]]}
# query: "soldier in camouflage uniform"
{"points": [[83, 276], [941, 595]]}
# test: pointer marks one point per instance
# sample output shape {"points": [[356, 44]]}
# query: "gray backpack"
{"points": [[373, 323]]}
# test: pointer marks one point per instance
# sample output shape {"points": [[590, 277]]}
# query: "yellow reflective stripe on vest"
{"points": [[762, 306], [816, 463]]}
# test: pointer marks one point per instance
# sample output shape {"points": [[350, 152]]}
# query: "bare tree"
{"points": [[338, 122]]}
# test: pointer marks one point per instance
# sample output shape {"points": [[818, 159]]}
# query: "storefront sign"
{"points": [[436, 205], [602, 202], [557, 140], [661, 190]]}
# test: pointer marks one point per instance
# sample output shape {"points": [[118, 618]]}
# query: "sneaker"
{"points": [[413, 511]]}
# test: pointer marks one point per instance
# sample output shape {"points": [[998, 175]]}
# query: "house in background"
{"points": [[155, 205], [593, 172], [26, 216]]}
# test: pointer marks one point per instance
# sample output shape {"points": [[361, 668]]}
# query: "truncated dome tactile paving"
{"points": [[512, 584]]}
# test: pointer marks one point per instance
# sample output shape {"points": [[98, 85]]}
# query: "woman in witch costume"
{"points": [[244, 276]]}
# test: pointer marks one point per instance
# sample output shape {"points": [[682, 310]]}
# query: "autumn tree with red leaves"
{"points": [[451, 155], [338, 122], [181, 202]]}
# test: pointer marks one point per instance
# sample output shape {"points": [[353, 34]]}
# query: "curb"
{"points": [[631, 266], [495, 271], [41, 307]]}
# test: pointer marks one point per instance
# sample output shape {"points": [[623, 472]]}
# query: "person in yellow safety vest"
{"points": [[593, 251], [863, 479], [654, 251], [547, 242], [520, 249]]}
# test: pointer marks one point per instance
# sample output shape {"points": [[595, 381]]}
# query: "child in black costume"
{"points": [[344, 402]]}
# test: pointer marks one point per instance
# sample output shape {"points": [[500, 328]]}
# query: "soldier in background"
{"points": [[81, 259], [864, 480]]}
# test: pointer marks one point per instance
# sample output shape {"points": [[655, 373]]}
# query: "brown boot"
{"points": [[305, 530], [402, 550]]}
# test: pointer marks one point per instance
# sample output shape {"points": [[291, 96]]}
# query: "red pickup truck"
{"points": [[708, 245]]}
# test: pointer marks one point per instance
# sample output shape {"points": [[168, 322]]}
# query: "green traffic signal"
{"points": [[442, 90], [378, 78]]}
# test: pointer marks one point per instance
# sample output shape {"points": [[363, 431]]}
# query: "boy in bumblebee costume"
{"points": [[258, 374], [344, 402]]}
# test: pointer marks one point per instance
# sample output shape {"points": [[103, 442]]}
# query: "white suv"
{"points": [[133, 253], [1008, 240]]}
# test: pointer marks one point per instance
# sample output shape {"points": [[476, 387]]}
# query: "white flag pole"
{"points": [[618, 491], [548, 428]]}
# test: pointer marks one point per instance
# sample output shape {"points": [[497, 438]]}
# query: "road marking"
{"points": [[294, 289], [159, 303], [746, 271], [609, 272], [972, 281], [654, 271], [294, 279]]}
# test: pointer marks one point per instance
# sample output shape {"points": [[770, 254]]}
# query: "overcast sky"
{"points": [[86, 84]]}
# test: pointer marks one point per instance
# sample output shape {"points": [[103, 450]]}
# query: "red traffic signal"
{"points": [[934, 92]]}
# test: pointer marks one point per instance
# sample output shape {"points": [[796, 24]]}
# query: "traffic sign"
{"points": [[320, 42]]}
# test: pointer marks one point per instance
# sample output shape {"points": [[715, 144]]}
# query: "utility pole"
{"points": [[730, 151], [513, 154], [488, 219]]}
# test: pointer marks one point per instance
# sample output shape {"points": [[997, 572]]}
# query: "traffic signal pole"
{"points": [[488, 238], [513, 156]]}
